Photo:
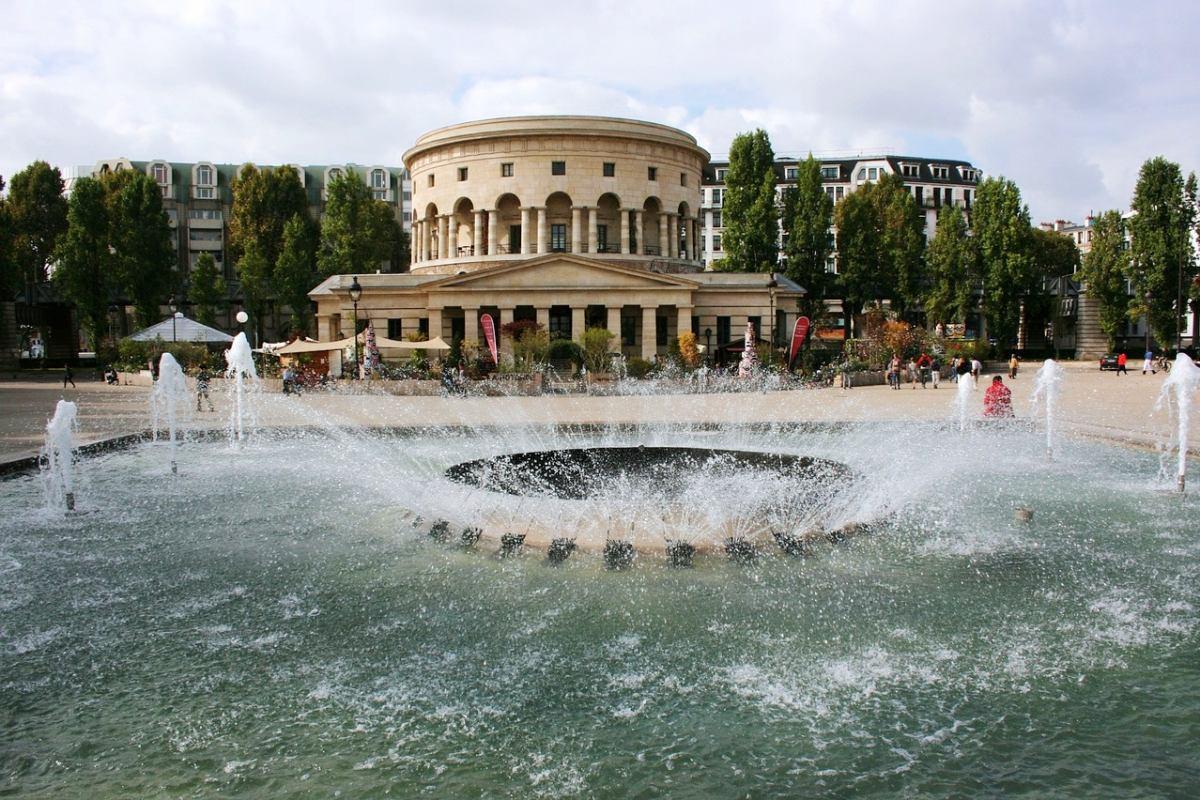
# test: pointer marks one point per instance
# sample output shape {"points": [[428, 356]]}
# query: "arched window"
{"points": [[378, 179], [161, 173]]}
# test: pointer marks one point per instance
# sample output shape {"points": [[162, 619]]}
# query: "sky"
{"points": [[1065, 98]]}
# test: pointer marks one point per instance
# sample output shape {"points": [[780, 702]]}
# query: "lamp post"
{"points": [[113, 308], [1149, 297], [355, 295], [1050, 338], [708, 344], [771, 285], [174, 308], [242, 318]]}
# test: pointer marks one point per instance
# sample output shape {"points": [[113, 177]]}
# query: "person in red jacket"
{"points": [[997, 400], [1122, 359]]}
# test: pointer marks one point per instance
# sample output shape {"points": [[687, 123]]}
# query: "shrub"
{"points": [[519, 328], [596, 342], [689, 352], [530, 349], [638, 367], [134, 355], [565, 350]]}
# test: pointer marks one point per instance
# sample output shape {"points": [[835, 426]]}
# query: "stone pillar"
{"points": [[578, 322], [435, 322], [649, 331], [683, 320], [526, 239], [593, 240], [414, 250], [471, 326], [428, 226], [614, 327], [444, 236], [673, 236], [505, 341], [543, 317], [477, 234], [425, 240], [576, 229], [638, 217], [694, 239], [452, 237], [543, 232], [493, 232], [625, 231]]}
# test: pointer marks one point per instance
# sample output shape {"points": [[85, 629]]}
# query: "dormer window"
{"points": [[162, 175], [334, 174], [378, 179], [791, 173], [941, 173], [910, 170], [721, 174], [205, 182], [829, 172], [969, 174]]}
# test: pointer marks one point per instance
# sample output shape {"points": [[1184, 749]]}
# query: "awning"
{"points": [[181, 329]]}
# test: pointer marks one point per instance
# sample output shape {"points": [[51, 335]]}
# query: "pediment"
{"points": [[567, 272]]}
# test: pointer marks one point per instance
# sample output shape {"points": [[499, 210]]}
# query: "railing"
{"points": [[507, 250], [651, 250], [466, 250], [613, 249]]}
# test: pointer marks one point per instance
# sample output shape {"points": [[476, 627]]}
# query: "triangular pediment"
{"points": [[562, 270]]}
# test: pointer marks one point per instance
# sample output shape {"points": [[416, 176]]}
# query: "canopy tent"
{"points": [[181, 329], [382, 342]]}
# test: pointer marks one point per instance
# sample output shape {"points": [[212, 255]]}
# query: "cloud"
{"points": [[1065, 97]]}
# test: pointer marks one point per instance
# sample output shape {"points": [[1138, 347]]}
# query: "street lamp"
{"points": [[708, 343], [1149, 297], [174, 315], [242, 318], [113, 308], [355, 295], [1050, 337]]}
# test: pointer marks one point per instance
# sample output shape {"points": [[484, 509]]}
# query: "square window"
{"points": [[462, 173], [717, 243], [506, 170], [683, 179], [652, 173], [721, 174], [558, 168], [431, 180], [829, 173], [610, 169], [792, 173]]}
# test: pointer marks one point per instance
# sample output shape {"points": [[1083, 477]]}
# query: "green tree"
{"points": [[1054, 256], [357, 231], [207, 289], [1160, 252], [254, 273], [400, 254], [880, 246], [1001, 225], [1103, 273], [8, 270], [953, 261], [83, 270], [751, 214], [264, 201], [140, 235], [807, 217], [295, 269], [37, 214]]}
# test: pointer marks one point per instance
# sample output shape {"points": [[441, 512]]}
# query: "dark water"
{"points": [[269, 624]]}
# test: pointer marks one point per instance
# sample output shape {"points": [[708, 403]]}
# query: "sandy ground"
{"points": [[1095, 404]]}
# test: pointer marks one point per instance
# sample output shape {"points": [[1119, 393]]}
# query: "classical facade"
{"points": [[571, 221]]}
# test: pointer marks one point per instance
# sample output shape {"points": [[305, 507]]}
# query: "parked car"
{"points": [[1108, 362]]}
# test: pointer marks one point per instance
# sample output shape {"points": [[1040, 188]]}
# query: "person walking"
{"points": [[1122, 359], [203, 378], [1148, 363], [923, 365], [912, 371], [976, 370], [68, 376], [935, 370], [893, 374], [997, 400], [1013, 364], [845, 373]]}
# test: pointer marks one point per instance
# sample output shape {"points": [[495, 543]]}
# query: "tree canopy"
{"points": [[1161, 248], [206, 289], [1104, 272], [953, 261], [357, 232], [1001, 225], [140, 235], [295, 270], [751, 239], [807, 216], [83, 270], [37, 213]]}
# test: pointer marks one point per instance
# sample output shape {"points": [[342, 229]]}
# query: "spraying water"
{"points": [[240, 363], [170, 395], [1181, 383], [58, 457], [962, 400], [1048, 386]]}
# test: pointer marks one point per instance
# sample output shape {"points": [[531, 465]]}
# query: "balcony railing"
{"points": [[651, 250], [466, 251], [607, 247]]}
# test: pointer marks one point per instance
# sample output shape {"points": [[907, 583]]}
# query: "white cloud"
{"points": [[1065, 97]]}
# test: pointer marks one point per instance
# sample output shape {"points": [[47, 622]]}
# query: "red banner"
{"points": [[799, 333], [489, 335]]}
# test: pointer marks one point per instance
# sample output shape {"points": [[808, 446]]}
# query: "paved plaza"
{"points": [[1096, 404]]}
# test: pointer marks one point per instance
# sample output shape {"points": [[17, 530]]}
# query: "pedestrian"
{"points": [[997, 400], [976, 370], [935, 370], [845, 370], [923, 365], [203, 378], [1121, 361], [68, 375], [911, 369], [1013, 364], [1148, 363], [893, 374], [287, 380], [963, 370]]}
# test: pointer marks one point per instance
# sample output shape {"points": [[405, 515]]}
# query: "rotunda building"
{"points": [[499, 190]]}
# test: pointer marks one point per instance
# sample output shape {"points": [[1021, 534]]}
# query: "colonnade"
{"points": [[435, 237]]}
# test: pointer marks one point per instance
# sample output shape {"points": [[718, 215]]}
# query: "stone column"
{"points": [[576, 229], [649, 331], [543, 317], [425, 240], [614, 327], [593, 240], [638, 217], [578, 322], [673, 236], [625, 231], [477, 234], [428, 226], [471, 326], [414, 250], [452, 237], [505, 341], [526, 239], [443, 236], [435, 322], [694, 239], [543, 232], [493, 232], [683, 319]]}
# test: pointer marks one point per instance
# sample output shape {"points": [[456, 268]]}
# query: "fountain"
{"points": [[1047, 386], [58, 457], [1178, 387], [240, 361], [169, 398], [962, 400]]}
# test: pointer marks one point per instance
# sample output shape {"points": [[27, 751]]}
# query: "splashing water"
{"points": [[240, 363], [1048, 386], [1180, 384], [962, 400], [58, 457], [170, 399]]}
